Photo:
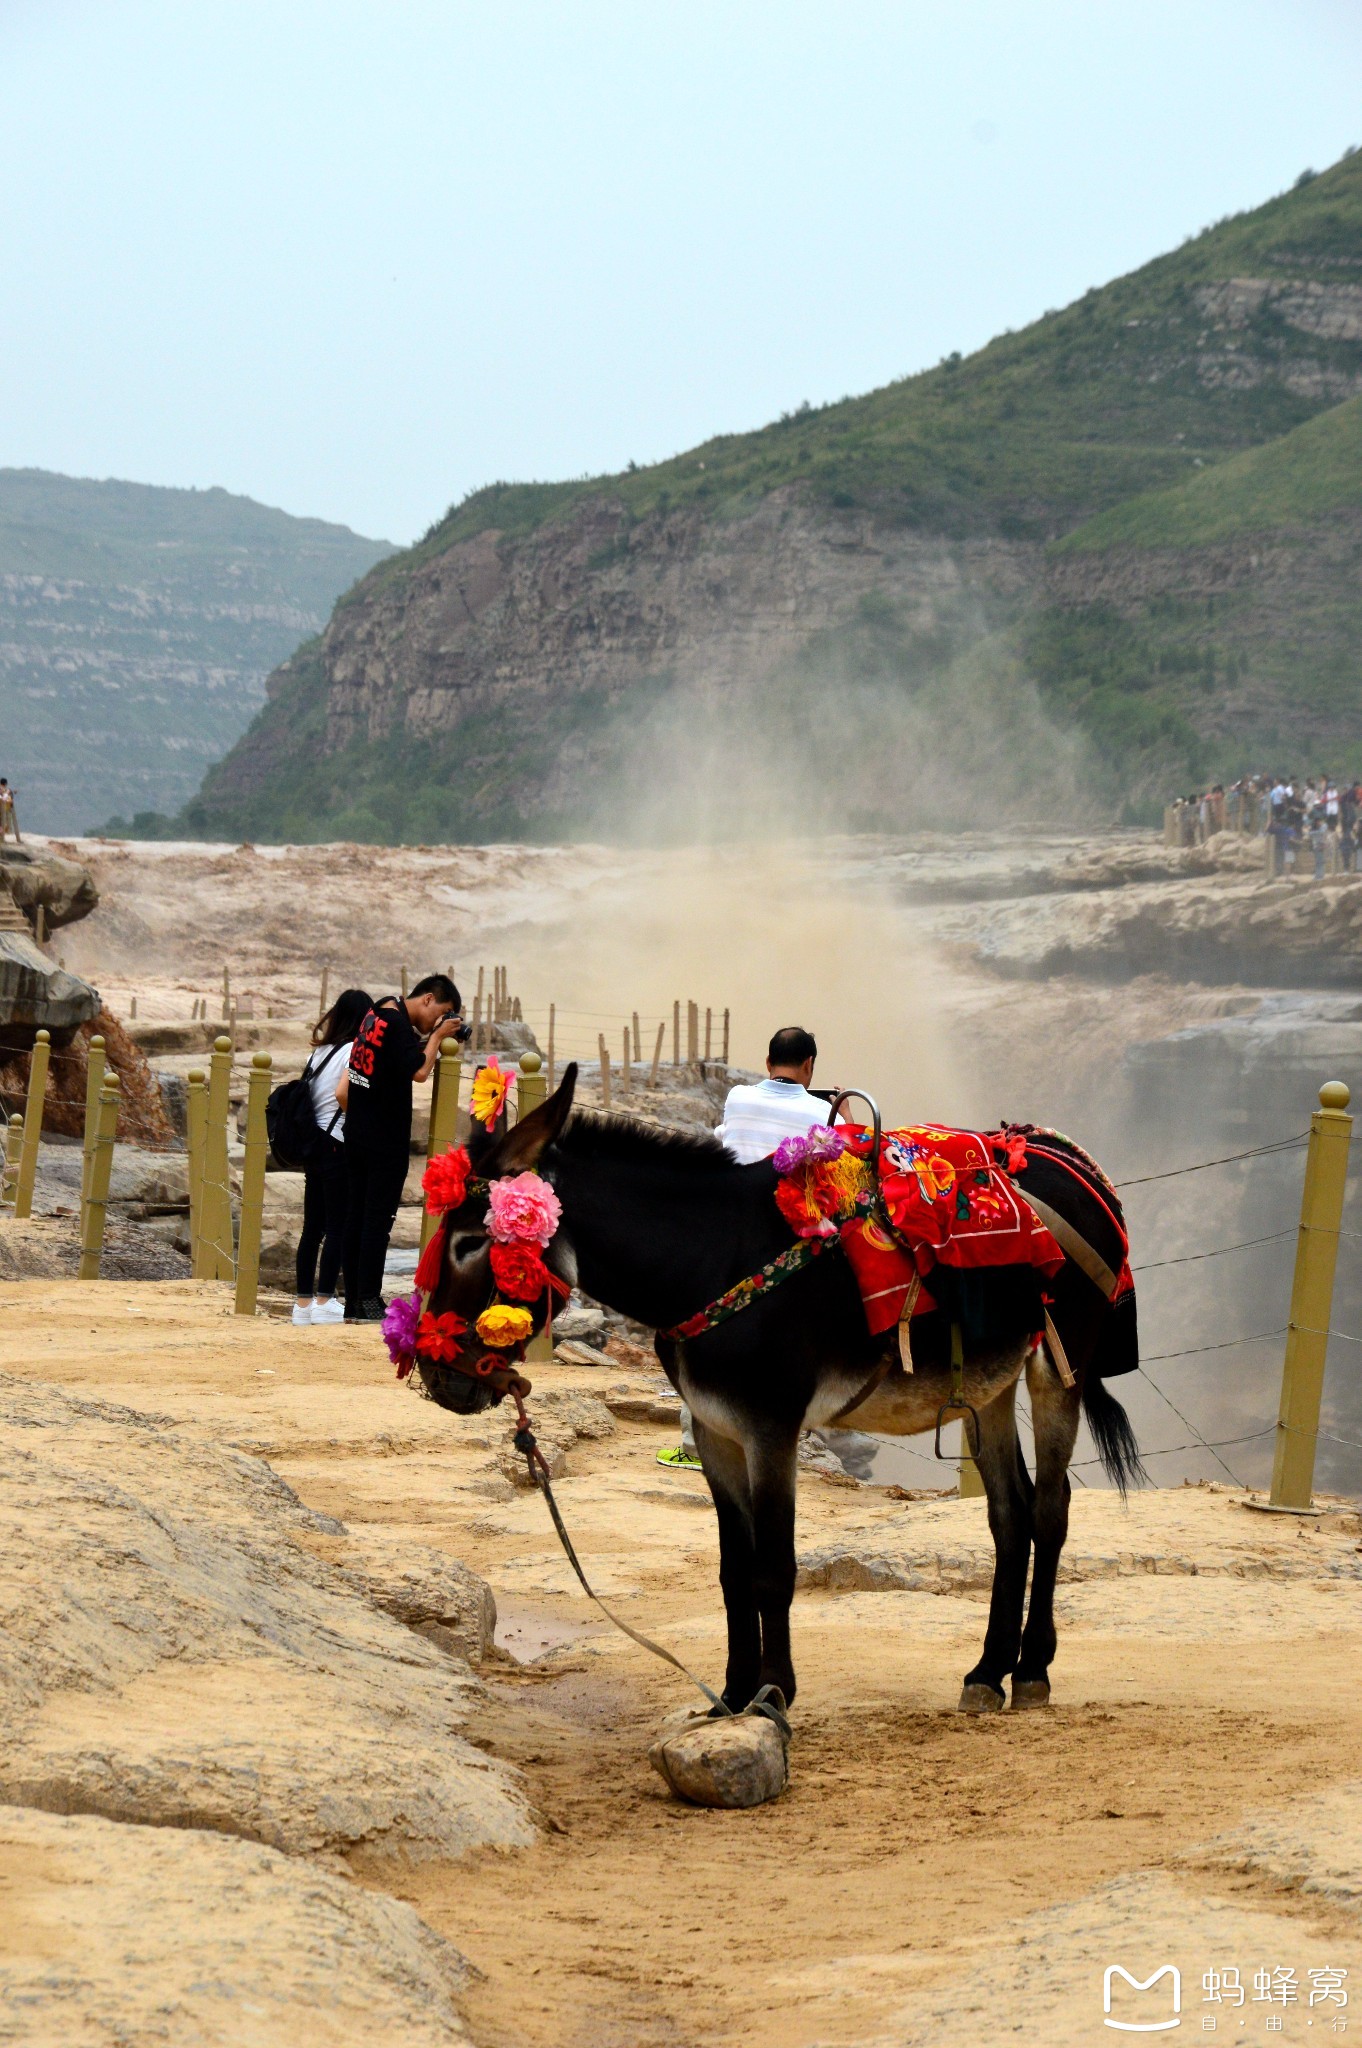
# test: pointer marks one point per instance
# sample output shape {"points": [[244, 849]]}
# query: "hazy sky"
{"points": [[356, 257]]}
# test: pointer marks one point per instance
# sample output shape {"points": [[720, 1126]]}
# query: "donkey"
{"points": [[658, 1223]]}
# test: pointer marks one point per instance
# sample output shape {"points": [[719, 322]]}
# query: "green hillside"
{"points": [[1039, 429], [1311, 474], [1208, 398], [137, 626]]}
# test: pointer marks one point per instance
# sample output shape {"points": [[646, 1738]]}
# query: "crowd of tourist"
{"points": [[1319, 814]]}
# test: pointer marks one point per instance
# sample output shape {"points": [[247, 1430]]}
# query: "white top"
{"points": [[331, 1062], [758, 1114]]}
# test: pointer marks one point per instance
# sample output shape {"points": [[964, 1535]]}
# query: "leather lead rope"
{"points": [[768, 1702]]}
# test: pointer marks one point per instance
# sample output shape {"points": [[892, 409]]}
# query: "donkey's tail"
{"points": [[1113, 1435]]}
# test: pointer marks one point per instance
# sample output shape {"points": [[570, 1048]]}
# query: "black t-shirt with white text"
{"points": [[387, 1052]]}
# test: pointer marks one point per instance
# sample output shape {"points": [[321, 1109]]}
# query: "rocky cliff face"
{"points": [[600, 602]]}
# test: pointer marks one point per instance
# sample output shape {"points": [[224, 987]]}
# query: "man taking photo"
{"points": [[397, 1045]]}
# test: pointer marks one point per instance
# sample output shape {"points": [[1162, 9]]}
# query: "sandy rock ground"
{"points": [[192, 1637]]}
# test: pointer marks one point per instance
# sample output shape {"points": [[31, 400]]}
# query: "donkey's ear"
{"points": [[521, 1148]]}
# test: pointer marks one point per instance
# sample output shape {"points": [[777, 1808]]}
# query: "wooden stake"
{"points": [[709, 1031], [326, 977], [33, 1125], [531, 1089], [132, 1006], [14, 1145], [692, 1032], [196, 1121], [676, 1034], [638, 1042], [253, 1186], [553, 1082], [96, 1208], [605, 1071], [444, 1117], [94, 1081], [626, 1071], [40, 925], [657, 1053], [1312, 1297], [215, 1215], [725, 1037]]}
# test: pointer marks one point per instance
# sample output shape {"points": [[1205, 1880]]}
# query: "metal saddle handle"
{"points": [[859, 1095]]}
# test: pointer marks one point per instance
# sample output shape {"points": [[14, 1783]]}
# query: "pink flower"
{"points": [[522, 1210], [399, 1331], [821, 1142]]}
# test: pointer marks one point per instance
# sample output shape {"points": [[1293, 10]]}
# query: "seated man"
{"points": [[757, 1115]]}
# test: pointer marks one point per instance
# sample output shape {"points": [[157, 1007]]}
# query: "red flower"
{"points": [[519, 1271], [445, 1180], [438, 1337]]}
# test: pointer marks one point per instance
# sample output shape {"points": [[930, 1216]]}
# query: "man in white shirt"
{"points": [[757, 1115]]}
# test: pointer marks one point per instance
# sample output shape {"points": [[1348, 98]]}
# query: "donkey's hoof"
{"points": [[1030, 1692], [980, 1699]]}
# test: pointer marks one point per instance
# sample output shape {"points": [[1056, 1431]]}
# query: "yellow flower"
{"points": [[490, 1089], [503, 1326]]}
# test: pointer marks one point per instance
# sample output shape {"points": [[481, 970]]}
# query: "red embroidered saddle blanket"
{"points": [[950, 1204]]}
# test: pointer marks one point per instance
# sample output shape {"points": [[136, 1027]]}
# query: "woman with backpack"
{"points": [[325, 1182]]}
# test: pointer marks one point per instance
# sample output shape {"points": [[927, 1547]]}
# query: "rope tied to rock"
{"points": [[767, 1702]]}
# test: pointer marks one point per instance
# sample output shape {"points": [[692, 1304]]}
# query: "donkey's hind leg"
{"points": [[1008, 1486], [726, 1471], [1054, 1420]]}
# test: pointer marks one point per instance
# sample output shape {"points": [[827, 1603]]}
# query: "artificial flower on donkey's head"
{"points": [[399, 1331], [523, 1209], [445, 1180], [519, 1270], [502, 1327], [490, 1088], [438, 1337]]}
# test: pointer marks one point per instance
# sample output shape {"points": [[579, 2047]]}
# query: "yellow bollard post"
{"points": [[215, 1212], [96, 1208], [33, 1125], [196, 1139], [1312, 1295], [444, 1116], [253, 1186], [14, 1145], [531, 1089], [94, 1081], [970, 1484]]}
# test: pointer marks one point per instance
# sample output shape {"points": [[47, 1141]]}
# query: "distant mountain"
{"points": [[137, 626], [1101, 559]]}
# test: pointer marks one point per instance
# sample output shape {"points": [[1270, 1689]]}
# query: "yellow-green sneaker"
{"points": [[680, 1460]]}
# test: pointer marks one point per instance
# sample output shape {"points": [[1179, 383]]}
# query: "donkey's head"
{"points": [[476, 1377]]}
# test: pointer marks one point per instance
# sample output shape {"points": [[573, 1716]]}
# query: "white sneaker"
{"points": [[332, 1311], [303, 1314]]}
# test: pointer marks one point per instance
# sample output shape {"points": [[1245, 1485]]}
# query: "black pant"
{"points": [[324, 1206], [375, 1189]]}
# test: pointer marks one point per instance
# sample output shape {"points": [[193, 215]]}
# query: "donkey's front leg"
{"points": [[1008, 1486], [726, 1471], [771, 1466]]}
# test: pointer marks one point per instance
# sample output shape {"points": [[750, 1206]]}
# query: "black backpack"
{"points": [[297, 1140]]}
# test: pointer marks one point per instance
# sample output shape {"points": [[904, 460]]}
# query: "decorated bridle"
{"points": [[522, 1214]]}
